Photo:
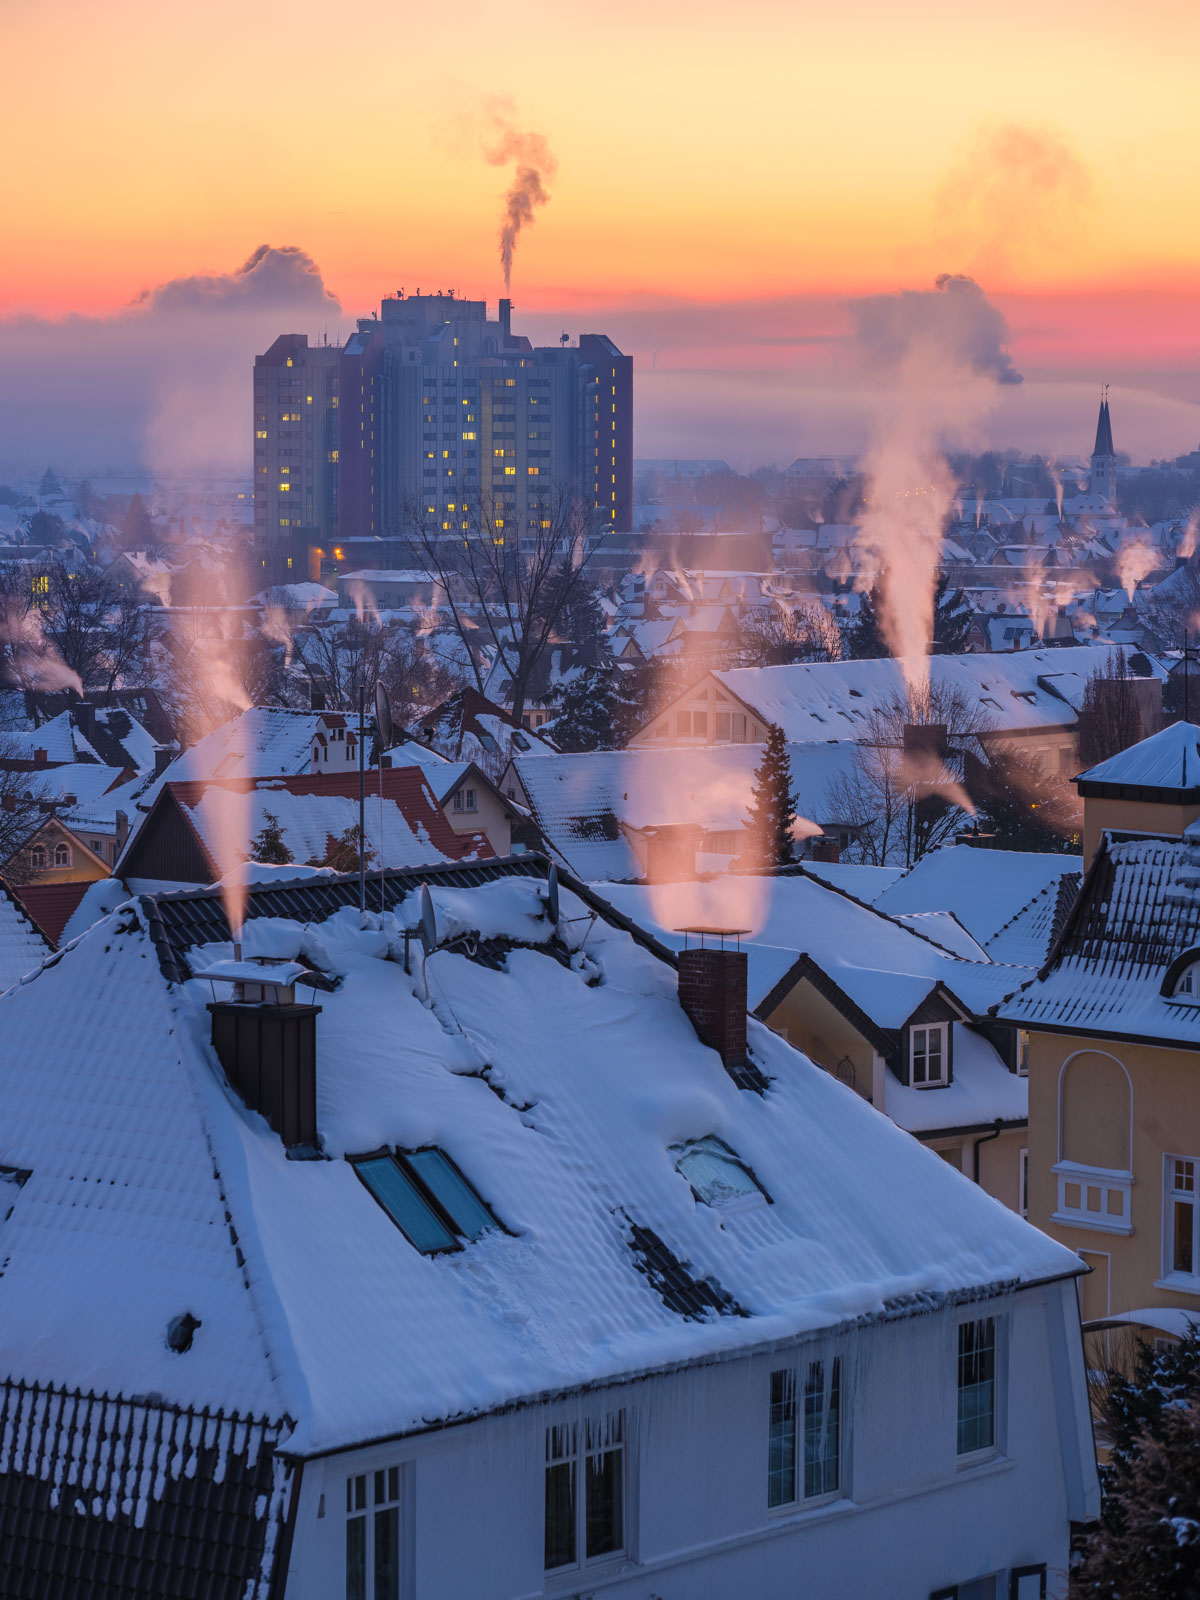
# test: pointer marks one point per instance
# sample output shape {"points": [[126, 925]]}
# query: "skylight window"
{"points": [[717, 1177], [427, 1198]]}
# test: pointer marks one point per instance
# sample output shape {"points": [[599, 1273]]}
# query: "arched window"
{"points": [[38, 859], [1095, 1120], [1187, 984], [62, 855], [1095, 1111]]}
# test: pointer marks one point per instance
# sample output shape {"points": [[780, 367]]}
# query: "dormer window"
{"points": [[717, 1177], [1187, 985], [929, 1055]]}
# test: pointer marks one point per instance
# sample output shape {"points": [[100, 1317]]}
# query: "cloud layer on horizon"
{"points": [[165, 383]]}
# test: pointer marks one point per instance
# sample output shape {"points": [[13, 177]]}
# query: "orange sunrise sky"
{"points": [[763, 160]]}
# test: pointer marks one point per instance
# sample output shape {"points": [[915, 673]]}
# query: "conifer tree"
{"points": [[270, 847], [49, 484], [772, 803]]}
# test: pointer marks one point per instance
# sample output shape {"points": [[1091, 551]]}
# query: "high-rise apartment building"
{"points": [[445, 420], [295, 455]]}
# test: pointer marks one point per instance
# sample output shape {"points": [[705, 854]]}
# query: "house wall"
{"points": [[83, 867], [489, 817], [910, 1518], [1122, 1108], [814, 1025], [999, 1160], [677, 726], [1138, 816]]}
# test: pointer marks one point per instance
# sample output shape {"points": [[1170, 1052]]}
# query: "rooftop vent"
{"points": [[267, 1044]]}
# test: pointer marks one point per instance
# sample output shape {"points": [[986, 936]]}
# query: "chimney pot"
{"points": [[713, 987]]}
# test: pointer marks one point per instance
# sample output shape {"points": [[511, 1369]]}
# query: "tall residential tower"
{"points": [[295, 454], [452, 422]]}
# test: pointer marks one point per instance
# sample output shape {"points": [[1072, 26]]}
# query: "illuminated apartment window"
{"points": [[260, 433], [289, 361]]}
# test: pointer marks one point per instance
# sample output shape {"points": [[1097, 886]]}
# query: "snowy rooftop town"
{"points": [[660, 1015]]}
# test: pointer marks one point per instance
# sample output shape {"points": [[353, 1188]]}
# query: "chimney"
{"points": [[163, 757], [85, 718], [505, 322], [825, 848], [41, 758], [316, 699], [712, 990], [926, 739], [671, 851], [267, 1045], [122, 820]]}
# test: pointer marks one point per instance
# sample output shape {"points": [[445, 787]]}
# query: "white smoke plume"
{"points": [[934, 359], [534, 166]]}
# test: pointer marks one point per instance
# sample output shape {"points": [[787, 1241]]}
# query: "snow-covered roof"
{"points": [[404, 824], [118, 740], [834, 699], [22, 947], [1168, 759], [856, 878], [981, 1090], [944, 928], [1137, 913], [884, 966], [1027, 938], [579, 801], [153, 1190], [265, 741], [985, 889]]}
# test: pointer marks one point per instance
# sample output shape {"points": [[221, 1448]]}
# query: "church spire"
{"points": [[1104, 438], [1104, 457]]}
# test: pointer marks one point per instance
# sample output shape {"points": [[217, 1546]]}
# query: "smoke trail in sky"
{"points": [[934, 359], [534, 165]]}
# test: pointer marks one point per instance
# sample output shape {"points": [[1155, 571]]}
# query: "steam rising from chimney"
{"points": [[934, 358], [535, 167]]}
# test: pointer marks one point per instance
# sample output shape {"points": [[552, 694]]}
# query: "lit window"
{"points": [[373, 1536], [533, 471], [427, 1198], [469, 436], [285, 488], [260, 433], [716, 1175], [289, 361], [41, 584], [588, 1526], [976, 1385], [510, 472], [1182, 1244], [928, 1055]]}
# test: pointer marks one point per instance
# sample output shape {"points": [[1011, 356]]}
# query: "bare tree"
{"points": [[779, 635], [1116, 711], [505, 588], [22, 813], [59, 627], [904, 793]]}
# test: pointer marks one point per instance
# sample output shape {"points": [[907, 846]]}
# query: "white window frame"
{"points": [[372, 1493], [1077, 1184], [942, 1029], [1187, 985], [571, 1442], [1187, 1193], [828, 1367], [1023, 1181]]}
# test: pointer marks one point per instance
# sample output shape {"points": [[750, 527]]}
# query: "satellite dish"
{"points": [[429, 934], [552, 894], [383, 717]]}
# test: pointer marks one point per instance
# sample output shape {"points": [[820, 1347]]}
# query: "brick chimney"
{"points": [[712, 990], [41, 758], [823, 848]]}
